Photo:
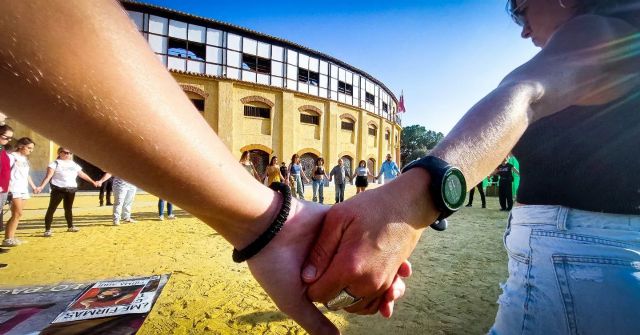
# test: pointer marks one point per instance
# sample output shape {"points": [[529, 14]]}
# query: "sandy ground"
{"points": [[453, 290]]}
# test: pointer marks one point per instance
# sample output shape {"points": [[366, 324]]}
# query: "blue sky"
{"points": [[444, 54]]}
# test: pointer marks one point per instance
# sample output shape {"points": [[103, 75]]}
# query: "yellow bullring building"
{"points": [[263, 94]]}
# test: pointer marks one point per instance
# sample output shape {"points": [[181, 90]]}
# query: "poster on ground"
{"points": [[112, 306]]}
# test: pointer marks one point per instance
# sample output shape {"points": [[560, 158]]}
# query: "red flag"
{"points": [[401, 104]]}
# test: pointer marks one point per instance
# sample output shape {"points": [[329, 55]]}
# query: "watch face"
{"points": [[453, 190]]}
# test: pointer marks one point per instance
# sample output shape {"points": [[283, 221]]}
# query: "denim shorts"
{"points": [[570, 272]]}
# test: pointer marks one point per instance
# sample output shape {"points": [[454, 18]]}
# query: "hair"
{"points": [[5, 128], [362, 162], [23, 142], [245, 156], [318, 160], [273, 160], [627, 10], [61, 149], [294, 157]]}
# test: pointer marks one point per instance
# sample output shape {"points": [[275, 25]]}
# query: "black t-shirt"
{"points": [[505, 172], [585, 157]]}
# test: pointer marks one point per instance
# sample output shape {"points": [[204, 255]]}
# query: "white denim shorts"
{"points": [[570, 272], [15, 195]]}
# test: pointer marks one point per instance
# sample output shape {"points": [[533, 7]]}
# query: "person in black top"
{"points": [[505, 184], [482, 197], [319, 175]]}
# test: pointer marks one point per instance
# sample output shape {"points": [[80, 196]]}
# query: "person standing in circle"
{"points": [[482, 197], [505, 184], [63, 173], [362, 172], [106, 187], [123, 194], [341, 173], [273, 172], [247, 164], [170, 215], [389, 170], [6, 135], [319, 176], [19, 188], [295, 177]]}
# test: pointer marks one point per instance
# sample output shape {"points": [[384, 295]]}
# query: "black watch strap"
{"points": [[439, 170]]}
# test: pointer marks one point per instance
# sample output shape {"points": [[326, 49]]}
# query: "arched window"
{"points": [[309, 117], [373, 130]]}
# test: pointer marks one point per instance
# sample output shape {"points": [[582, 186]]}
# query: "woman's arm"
{"points": [[584, 63], [88, 179], [85, 67], [32, 184], [47, 177], [104, 178]]}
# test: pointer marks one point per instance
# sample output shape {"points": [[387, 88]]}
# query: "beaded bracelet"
{"points": [[252, 249]]}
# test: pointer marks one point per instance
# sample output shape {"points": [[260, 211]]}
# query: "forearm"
{"points": [[85, 177], [105, 177], [31, 183], [47, 177], [488, 132], [127, 100]]}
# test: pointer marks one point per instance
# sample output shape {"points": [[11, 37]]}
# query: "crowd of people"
{"points": [[62, 177], [294, 174]]}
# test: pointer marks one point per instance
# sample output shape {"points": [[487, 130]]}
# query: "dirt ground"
{"points": [[453, 290]]}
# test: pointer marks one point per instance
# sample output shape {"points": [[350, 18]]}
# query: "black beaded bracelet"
{"points": [[252, 249]]}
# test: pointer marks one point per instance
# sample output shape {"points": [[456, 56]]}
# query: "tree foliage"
{"points": [[417, 141]]}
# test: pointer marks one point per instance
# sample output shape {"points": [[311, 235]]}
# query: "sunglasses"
{"points": [[518, 13], [66, 152], [6, 138]]}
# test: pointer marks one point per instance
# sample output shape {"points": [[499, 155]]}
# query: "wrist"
{"points": [[413, 189]]}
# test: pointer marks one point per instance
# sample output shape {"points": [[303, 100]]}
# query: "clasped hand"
{"points": [[360, 245]]}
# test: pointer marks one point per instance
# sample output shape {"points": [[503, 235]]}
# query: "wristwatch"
{"points": [[448, 187]]}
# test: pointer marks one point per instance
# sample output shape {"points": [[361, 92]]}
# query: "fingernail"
{"points": [[309, 272]]}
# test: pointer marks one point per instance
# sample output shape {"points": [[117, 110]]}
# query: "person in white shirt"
{"points": [[19, 188], [63, 173]]}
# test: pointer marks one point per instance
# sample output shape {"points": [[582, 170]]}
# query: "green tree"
{"points": [[417, 141]]}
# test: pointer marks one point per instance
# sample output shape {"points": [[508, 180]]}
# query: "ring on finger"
{"points": [[344, 299]]}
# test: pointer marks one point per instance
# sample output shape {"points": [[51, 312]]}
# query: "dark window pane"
{"points": [[264, 65], [314, 78], [249, 63], [256, 64], [199, 104], [177, 48], [310, 119], [346, 125], [386, 136], [369, 98], [372, 131], [385, 108], [257, 112], [197, 51], [345, 88], [303, 75], [309, 77]]}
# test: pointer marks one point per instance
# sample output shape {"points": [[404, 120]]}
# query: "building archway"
{"points": [[348, 163], [371, 164], [308, 161], [260, 160]]}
